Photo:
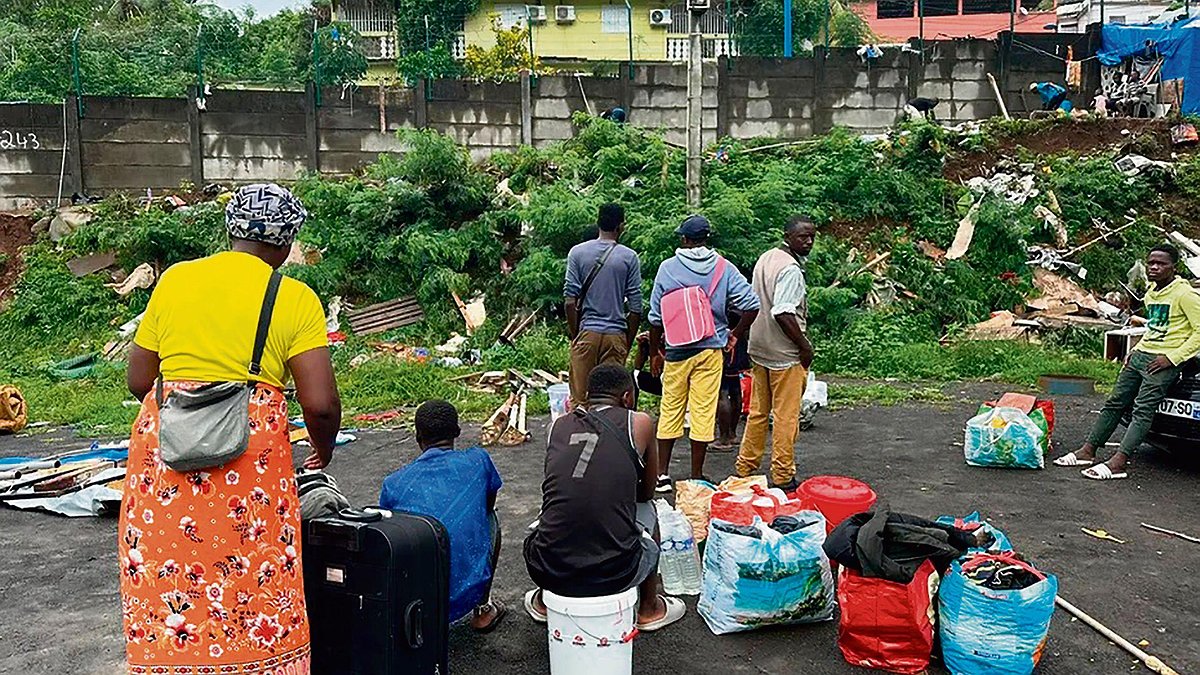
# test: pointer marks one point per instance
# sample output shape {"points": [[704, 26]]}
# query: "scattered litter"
{"points": [[473, 313], [1136, 165], [1054, 223], [129, 328], [67, 220], [1184, 134], [1173, 533], [333, 315], [1016, 189], [341, 439], [142, 276], [1101, 534], [452, 346], [90, 264], [303, 254], [965, 233], [1002, 325], [402, 352], [385, 316]]}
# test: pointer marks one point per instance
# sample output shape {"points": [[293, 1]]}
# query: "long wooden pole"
{"points": [[1152, 662]]}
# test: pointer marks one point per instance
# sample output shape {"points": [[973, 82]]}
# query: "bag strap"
{"points": [[608, 426], [718, 272], [264, 322], [587, 283], [1006, 557]]}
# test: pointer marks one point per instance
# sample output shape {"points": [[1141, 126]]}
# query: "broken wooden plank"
{"points": [[385, 316], [525, 379], [549, 378]]}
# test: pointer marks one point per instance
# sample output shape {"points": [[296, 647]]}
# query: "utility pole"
{"points": [[695, 91]]}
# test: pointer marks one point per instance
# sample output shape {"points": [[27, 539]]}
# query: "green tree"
{"points": [[759, 25]]}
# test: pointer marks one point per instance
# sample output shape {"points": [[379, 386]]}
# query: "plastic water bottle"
{"points": [[668, 559], [689, 558]]}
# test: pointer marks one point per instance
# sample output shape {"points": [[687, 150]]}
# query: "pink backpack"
{"points": [[687, 312]]}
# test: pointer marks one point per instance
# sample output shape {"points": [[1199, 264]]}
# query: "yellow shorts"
{"points": [[691, 386]]}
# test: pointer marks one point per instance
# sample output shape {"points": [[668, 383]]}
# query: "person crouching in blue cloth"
{"points": [[458, 488], [1054, 96]]}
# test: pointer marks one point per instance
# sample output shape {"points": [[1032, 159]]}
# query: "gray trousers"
{"points": [[1138, 390]]}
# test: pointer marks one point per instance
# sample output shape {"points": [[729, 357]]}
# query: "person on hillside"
{"points": [[603, 293], [729, 403], [922, 107], [211, 577], [598, 531], [781, 354], [458, 488], [691, 372], [1054, 96], [1172, 337]]}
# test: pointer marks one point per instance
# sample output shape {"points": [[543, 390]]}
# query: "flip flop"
{"points": [[1102, 472], [675, 611], [501, 612], [531, 609], [1071, 459]]}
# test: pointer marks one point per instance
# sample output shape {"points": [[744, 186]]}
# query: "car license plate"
{"points": [[1177, 408]]}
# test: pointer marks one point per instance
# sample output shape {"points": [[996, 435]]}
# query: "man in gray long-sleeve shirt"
{"points": [[603, 314]]}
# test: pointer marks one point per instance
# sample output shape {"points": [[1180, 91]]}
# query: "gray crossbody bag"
{"points": [[209, 426]]}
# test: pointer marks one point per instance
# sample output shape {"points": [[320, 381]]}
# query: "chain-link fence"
{"points": [[150, 59]]}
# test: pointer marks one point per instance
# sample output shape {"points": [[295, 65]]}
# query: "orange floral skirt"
{"points": [[210, 560]]}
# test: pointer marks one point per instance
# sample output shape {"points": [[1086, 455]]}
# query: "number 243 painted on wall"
{"points": [[15, 140]]}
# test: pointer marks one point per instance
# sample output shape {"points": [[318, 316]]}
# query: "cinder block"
{"points": [[969, 70], [759, 109], [553, 108], [552, 86], [556, 130], [668, 98]]}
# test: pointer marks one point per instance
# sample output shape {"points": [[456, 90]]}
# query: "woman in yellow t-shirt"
{"points": [[210, 567]]}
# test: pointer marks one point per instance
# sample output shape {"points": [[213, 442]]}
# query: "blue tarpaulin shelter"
{"points": [[1178, 43]]}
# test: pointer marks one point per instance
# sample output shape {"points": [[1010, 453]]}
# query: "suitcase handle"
{"points": [[413, 615], [364, 515]]}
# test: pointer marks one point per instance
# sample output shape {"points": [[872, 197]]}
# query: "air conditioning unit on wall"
{"points": [[564, 13], [537, 13], [660, 17]]}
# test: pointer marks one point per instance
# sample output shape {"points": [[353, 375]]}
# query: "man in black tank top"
{"points": [[597, 534]]}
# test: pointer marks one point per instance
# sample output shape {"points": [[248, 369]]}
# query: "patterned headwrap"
{"points": [[264, 212]]}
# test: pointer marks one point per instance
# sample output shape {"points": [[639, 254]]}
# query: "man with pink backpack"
{"points": [[692, 292]]}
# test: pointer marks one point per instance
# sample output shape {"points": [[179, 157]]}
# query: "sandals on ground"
{"points": [[1071, 459], [1102, 472]]}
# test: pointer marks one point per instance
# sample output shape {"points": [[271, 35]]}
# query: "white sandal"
{"points": [[675, 611], [531, 608], [1071, 459], [1102, 472]]}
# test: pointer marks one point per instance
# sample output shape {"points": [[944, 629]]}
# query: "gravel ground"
{"points": [[59, 606]]}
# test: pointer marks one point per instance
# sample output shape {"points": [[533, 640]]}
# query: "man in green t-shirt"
{"points": [[1172, 337]]}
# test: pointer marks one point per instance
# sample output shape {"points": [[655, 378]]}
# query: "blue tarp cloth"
{"points": [[1178, 43]]}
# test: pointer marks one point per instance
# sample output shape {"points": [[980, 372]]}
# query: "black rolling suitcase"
{"points": [[377, 584]]}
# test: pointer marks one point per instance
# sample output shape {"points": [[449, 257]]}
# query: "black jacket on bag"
{"points": [[891, 546]]}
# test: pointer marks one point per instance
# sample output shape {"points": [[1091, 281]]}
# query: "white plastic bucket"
{"points": [[591, 636], [559, 393]]}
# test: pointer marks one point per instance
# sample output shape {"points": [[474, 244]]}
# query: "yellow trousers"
{"points": [[692, 385], [778, 392]]}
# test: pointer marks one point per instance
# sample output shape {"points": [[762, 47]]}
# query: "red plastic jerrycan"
{"points": [[836, 497]]}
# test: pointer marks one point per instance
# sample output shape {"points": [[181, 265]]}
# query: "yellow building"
{"points": [[581, 32]]}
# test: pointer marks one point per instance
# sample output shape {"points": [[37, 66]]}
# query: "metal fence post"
{"points": [[629, 26], [76, 77], [787, 29]]}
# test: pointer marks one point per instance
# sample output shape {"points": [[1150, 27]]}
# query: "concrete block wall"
{"points": [[242, 136], [484, 116], [354, 129], [31, 155]]}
